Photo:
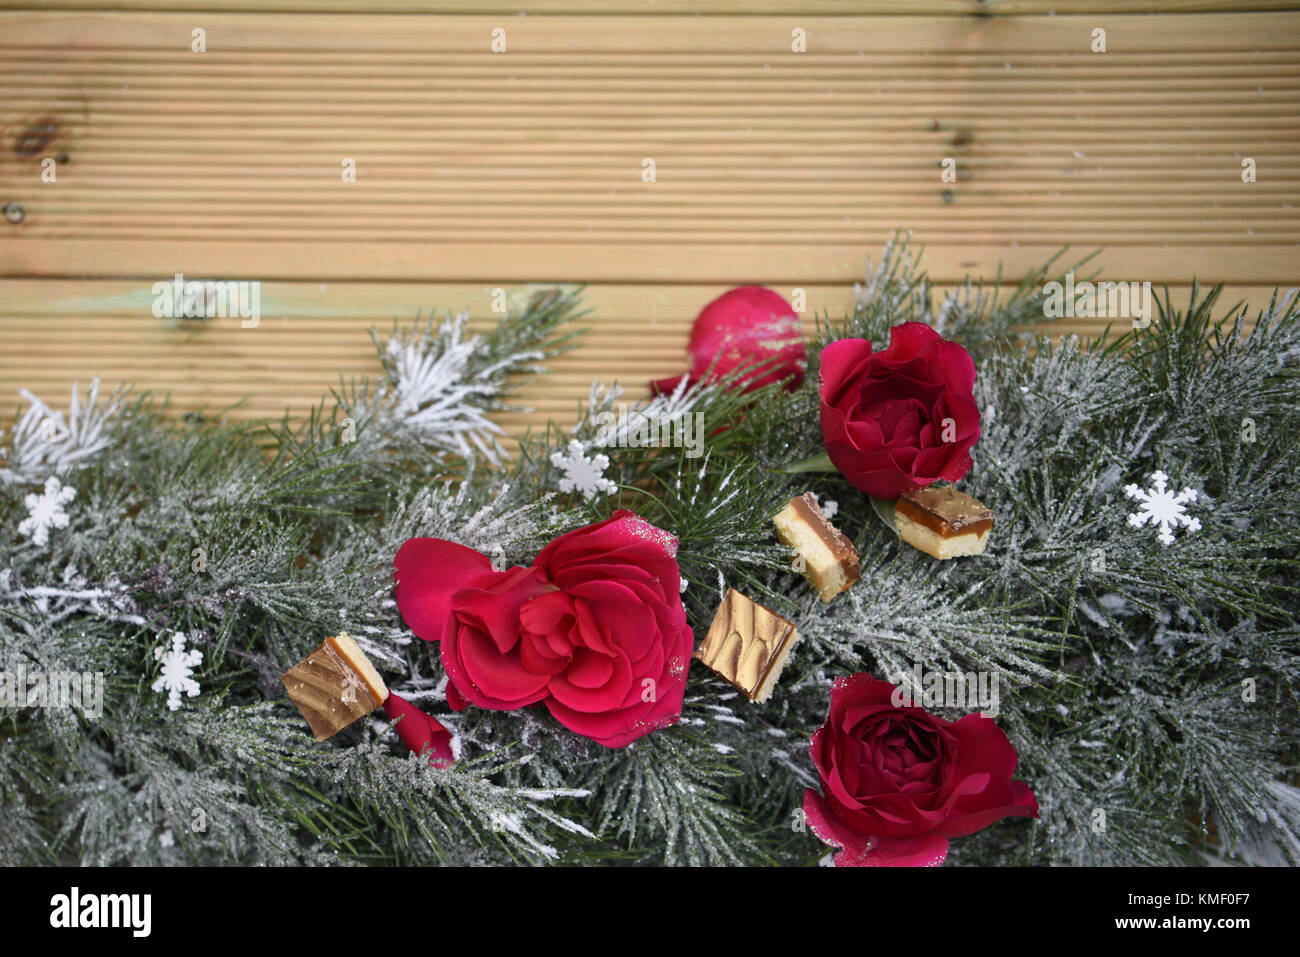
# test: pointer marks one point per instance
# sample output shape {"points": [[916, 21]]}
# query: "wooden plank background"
{"points": [[478, 169]]}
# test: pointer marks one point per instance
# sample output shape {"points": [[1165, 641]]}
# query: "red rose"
{"points": [[897, 782], [901, 419], [595, 628], [746, 326]]}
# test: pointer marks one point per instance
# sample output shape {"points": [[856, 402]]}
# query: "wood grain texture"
{"points": [[313, 334], [478, 169], [981, 8], [523, 166]]}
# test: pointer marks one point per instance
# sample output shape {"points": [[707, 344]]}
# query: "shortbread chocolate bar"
{"points": [[830, 561], [747, 645], [334, 686], [943, 522]]}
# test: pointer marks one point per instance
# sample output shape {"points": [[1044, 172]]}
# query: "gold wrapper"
{"points": [[747, 645], [334, 686]]}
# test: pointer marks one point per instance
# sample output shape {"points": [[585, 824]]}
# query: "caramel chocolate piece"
{"points": [[747, 645], [943, 522], [335, 685], [830, 561]]}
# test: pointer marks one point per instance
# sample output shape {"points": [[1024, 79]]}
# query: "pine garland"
{"points": [[1150, 691]]}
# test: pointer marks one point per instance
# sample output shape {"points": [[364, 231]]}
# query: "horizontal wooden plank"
{"points": [[771, 166], [660, 7], [738, 263], [552, 35], [55, 332]]}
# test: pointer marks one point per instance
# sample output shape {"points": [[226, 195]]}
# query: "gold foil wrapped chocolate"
{"points": [[334, 686], [747, 645]]}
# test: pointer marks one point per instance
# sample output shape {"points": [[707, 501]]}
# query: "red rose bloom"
{"points": [[883, 415], [748, 326], [595, 628], [897, 782]]}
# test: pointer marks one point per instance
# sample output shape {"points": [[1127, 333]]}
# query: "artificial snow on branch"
{"points": [[43, 443], [441, 383]]}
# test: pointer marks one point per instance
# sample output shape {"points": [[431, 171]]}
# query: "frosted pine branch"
{"points": [[43, 443]]}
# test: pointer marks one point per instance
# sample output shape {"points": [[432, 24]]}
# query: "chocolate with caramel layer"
{"points": [[945, 511], [830, 560], [842, 550]]}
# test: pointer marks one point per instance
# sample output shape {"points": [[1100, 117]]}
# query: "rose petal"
{"points": [[488, 678], [620, 727], [589, 669], [860, 689], [826, 824], [842, 363], [455, 700], [907, 339], [955, 365], [1022, 804], [923, 850], [956, 468], [427, 572], [859, 850], [984, 746], [493, 604], [420, 732]]}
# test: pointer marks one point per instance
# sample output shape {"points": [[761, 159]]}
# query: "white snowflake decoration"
{"points": [[177, 671], [583, 474], [45, 511], [1162, 509], [830, 508]]}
